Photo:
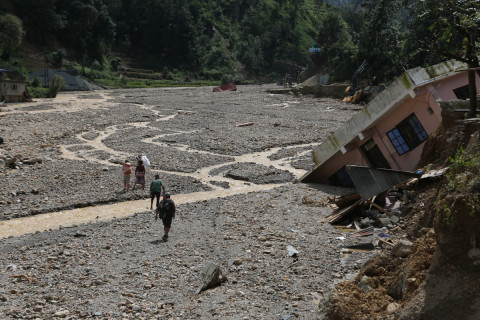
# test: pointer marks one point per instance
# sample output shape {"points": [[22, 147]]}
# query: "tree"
{"points": [[455, 34], [336, 43], [11, 35], [56, 84], [382, 37]]}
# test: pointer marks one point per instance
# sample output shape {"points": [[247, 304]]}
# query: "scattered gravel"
{"points": [[121, 269]]}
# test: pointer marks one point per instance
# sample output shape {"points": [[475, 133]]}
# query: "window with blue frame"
{"points": [[407, 135]]}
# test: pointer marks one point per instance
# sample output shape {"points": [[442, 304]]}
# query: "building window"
{"points": [[14, 86], [462, 93], [407, 135]]}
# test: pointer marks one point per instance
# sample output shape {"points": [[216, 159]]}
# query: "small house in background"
{"points": [[391, 130], [13, 87]]}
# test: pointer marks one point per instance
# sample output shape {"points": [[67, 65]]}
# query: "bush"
{"points": [[98, 66], [36, 82], [227, 78], [165, 73], [38, 92], [115, 63], [56, 84], [235, 78]]}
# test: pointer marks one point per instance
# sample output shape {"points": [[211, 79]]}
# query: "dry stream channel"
{"points": [[69, 102]]}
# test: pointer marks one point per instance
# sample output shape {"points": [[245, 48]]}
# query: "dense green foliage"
{"points": [[209, 38], [11, 33], [215, 39], [38, 92]]}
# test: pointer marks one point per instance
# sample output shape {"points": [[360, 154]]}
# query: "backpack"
{"points": [[166, 208]]}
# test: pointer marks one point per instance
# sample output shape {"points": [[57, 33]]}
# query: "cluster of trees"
{"points": [[215, 37], [211, 36], [394, 35]]}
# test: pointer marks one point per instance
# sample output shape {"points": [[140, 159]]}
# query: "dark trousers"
{"points": [[155, 194]]}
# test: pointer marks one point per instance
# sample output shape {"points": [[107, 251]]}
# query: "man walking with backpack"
{"points": [[166, 211]]}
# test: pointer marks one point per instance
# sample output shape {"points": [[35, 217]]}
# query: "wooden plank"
{"points": [[379, 208], [387, 242], [337, 215], [346, 200], [244, 124]]}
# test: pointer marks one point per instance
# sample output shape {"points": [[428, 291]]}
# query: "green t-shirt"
{"points": [[156, 186]]}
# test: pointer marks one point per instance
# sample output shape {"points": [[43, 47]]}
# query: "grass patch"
{"points": [[146, 83]]}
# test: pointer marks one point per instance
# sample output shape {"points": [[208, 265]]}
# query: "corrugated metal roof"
{"points": [[372, 181]]}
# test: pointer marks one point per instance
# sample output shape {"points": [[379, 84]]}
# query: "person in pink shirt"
{"points": [[127, 171]]}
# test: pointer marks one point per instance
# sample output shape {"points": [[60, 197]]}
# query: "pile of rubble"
{"points": [[378, 221]]}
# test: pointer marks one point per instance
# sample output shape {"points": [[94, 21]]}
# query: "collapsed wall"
{"points": [[439, 278]]}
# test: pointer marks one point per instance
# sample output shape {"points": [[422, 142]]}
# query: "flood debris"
{"points": [[373, 220], [292, 252], [246, 124], [225, 87], [372, 181]]}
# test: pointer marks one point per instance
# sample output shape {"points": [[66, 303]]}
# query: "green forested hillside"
{"points": [[211, 38]]}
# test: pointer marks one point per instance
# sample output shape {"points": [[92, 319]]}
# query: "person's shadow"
{"points": [[157, 242]]}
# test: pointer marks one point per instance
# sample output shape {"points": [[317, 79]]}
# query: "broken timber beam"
{"points": [[244, 124]]}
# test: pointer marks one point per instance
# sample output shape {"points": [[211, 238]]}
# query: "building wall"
{"points": [[11, 88], [445, 88], [428, 112], [12, 91], [419, 106]]}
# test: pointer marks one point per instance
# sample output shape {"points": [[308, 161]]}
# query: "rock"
{"points": [[402, 248], [366, 222], [12, 267], [10, 162], [211, 277], [385, 221], [33, 160], [61, 314], [397, 287], [237, 262], [366, 283], [37, 309], [394, 219], [392, 308]]}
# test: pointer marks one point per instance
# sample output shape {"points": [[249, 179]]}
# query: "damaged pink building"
{"points": [[391, 130]]}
